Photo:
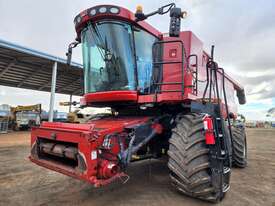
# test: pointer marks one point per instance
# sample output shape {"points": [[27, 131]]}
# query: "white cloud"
{"points": [[260, 87]]}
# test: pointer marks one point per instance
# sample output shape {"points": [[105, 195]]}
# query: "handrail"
{"points": [[171, 62]]}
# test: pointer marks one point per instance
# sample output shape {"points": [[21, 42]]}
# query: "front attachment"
{"points": [[97, 152]]}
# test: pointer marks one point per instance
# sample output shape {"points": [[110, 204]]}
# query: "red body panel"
{"points": [[128, 96]]}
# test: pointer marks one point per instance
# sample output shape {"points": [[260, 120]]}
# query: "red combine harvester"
{"points": [[168, 98]]}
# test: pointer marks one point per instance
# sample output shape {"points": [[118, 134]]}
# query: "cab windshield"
{"points": [[116, 56], [108, 57]]}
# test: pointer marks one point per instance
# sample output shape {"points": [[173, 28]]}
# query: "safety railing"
{"points": [[159, 84]]}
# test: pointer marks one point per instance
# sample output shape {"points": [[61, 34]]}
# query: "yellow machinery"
{"points": [[23, 117], [83, 115], [76, 116]]}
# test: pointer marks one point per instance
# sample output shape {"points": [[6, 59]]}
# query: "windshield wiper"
{"points": [[98, 41], [102, 45]]}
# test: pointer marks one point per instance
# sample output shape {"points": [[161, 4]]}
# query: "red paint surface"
{"points": [[114, 96], [158, 128], [88, 138]]}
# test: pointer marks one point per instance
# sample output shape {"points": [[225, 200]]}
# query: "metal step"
{"points": [[226, 170], [225, 187]]}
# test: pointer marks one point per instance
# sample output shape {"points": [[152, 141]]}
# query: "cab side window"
{"points": [[143, 44]]}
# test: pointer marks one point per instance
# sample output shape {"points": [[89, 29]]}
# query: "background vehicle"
{"points": [[168, 97], [76, 116], [24, 117], [57, 116], [83, 115]]}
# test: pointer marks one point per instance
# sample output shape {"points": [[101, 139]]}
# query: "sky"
{"points": [[243, 33]]}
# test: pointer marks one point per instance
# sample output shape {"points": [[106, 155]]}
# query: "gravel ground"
{"points": [[23, 183]]}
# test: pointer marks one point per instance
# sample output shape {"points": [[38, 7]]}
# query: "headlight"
{"points": [[114, 10], [78, 20], [92, 12], [102, 9]]}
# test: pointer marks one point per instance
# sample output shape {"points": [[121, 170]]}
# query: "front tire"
{"points": [[239, 147], [189, 162]]}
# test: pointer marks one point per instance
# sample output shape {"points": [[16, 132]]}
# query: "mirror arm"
{"points": [[140, 16], [70, 51], [175, 17]]}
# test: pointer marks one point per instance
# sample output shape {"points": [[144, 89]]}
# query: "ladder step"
{"points": [[225, 187], [226, 170]]}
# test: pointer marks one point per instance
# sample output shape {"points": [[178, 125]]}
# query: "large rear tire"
{"points": [[189, 163], [239, 147]]}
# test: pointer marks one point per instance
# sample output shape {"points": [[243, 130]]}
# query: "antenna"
{"points": [[212, 52]]}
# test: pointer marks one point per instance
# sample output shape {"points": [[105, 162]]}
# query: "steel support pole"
{"points": [[53, 87], [70, 106]]}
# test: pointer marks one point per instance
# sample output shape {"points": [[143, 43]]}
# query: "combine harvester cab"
{"points": [[168, 98]]}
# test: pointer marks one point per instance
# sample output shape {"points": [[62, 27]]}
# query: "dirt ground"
{"points": [[23, 183]]}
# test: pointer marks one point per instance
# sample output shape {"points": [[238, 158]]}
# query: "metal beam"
{"points": [[7, 68], [47, 84], [53, 86], [75, 92], [30, 76], [34, 53], [69, 85]]}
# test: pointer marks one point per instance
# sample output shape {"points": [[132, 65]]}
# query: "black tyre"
{"points": [[189, 164], [239, 158]]}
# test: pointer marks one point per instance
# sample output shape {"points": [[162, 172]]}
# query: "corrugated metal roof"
{"points": [[26, 68]]}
